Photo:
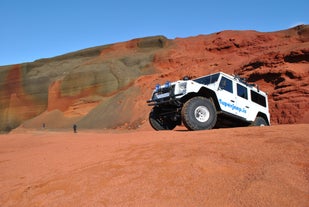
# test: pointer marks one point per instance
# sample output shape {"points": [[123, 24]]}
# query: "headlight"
{"points": [[182, 87]]}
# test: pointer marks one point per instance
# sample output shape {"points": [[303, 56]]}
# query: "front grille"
{"points": [[164, 93], [167, 90]]}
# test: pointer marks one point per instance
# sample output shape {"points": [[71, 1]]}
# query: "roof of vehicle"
{"points": [[239, 80]]}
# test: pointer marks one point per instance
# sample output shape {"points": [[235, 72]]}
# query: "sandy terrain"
{"points": [[257, 166]]}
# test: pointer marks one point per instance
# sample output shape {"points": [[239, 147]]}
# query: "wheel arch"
{"points": [[205, 92], [261, 114]]}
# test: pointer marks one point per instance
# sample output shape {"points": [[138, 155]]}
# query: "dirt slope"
{"points": [[263, 166]]}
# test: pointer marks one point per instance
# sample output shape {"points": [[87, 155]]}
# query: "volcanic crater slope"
{"points": [[107, 86]]}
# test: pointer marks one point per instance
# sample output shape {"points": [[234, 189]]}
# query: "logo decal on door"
{"points": [[232, 106]]}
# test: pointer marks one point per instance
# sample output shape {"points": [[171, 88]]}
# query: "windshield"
{"points": [[207, 79]]}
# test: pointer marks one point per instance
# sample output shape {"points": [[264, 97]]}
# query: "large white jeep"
{"points": [[216, 100]]}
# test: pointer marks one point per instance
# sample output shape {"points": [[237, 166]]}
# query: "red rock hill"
{"points": [[107, 86]]}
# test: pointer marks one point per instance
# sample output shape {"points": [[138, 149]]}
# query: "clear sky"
{"points": [[34, 29]]}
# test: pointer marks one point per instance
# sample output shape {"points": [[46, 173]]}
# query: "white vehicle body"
{"points": [[233, 99]]}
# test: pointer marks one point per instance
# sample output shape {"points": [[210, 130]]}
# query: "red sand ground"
{"points": [[257, 166]]}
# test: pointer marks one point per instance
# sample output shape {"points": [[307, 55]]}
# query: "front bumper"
{"points": [[168, 94], [172, 100]]}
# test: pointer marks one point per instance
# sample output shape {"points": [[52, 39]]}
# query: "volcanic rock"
{"points": [[107, 86]]}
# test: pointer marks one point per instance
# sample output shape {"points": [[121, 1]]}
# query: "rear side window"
{"points": [[242, 91], [226, 84], [258, 98]]}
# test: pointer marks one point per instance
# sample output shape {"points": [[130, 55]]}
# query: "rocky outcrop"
{"points": [[277, 61], [107, 86], [60, 83]]}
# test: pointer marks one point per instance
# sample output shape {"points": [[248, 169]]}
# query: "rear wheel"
{"points": [[259, 121], [199, 113], [159, 122]]}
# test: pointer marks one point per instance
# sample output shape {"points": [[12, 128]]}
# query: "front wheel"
{"points": [[159, 122], [199, 113]]}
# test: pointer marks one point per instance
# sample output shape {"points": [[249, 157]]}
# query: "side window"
{"points": [[226, 84], [257, 98], [242, 91]]}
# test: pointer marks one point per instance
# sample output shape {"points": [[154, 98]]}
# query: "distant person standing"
{"points": [[75, 128]]}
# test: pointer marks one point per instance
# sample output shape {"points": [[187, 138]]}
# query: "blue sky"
{"points": [[34, 29]]}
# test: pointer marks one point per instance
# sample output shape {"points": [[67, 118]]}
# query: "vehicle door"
{"points": [[242, 101], [226, 95]]}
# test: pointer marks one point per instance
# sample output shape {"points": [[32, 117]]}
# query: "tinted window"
{"points": [[242, 91], [226, 84], [258, 98], [208, 79]]}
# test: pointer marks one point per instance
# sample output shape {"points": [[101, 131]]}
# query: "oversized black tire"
{"points": [[259, 121], [199, 113], [159, 122]]}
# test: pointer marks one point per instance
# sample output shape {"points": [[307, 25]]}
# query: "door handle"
{"points": [[232, 101]]}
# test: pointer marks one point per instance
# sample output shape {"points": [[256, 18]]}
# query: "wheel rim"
{"points": [[201, 113]]}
